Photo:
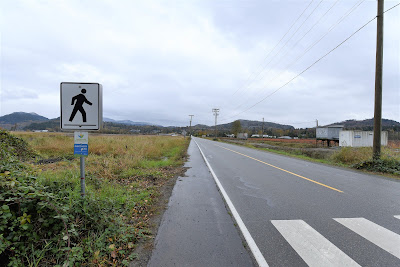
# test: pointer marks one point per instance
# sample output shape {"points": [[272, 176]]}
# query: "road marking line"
{"points": [[378, 235], [311, 246], [305, 178], [247, 236], [397, 216]]}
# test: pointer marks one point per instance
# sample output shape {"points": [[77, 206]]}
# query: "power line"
{"points": [[355, 6], [330, 29], [277, 63], [391, 8], [259, 71], [275, 45], [315, 43], [306, 68]]}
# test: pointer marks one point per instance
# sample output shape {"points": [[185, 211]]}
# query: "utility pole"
{"points": [[262, 133], [190, 129], [215, 111], [316, 140], [378, 83]]}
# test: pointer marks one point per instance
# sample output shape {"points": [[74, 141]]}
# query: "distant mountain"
{"points": [[127, 122], [21, 117], [201, 126], [259, 124], [367, 124], [246, 124], [54, 124]]}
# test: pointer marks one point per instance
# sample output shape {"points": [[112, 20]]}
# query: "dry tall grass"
{"points": [[109, 155], [353, 155]]}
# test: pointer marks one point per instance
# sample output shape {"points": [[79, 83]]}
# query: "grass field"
{"points": [[354, 157], [306, 143], [114, 157], [125, 176]]}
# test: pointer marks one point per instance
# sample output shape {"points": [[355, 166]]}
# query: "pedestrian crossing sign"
{"points": [[81, 106]]}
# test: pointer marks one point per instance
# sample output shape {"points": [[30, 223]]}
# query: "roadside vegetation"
{"points": [[352, 157], [45, 222]]}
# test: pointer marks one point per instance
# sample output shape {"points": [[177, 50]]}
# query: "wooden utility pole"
{"points": [[262, 134], [215, 110], [316, 129], [378, 83], [190, 129]]}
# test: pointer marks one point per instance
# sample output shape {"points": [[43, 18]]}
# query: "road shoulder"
{"points": [[196, 229]]}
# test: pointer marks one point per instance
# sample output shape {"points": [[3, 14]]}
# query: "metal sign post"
{"points": [[82, 176], [81, 148]]}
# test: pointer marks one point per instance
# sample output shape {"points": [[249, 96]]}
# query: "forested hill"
{"points": [[246, 124], [18, 117], [368, 124]]}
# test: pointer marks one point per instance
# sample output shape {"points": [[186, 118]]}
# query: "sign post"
{"points": [[81, 110], [81, 148]]}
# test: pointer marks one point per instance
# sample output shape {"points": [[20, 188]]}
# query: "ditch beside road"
{"points": [[316, 152]]}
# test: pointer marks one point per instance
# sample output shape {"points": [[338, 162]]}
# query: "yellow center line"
{"points": [[302, 177]]}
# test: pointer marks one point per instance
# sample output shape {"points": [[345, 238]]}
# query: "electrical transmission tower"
{"points": [[215, 111]]}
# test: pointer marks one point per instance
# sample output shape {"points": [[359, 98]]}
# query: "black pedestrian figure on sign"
{"points": [[80, 99]]}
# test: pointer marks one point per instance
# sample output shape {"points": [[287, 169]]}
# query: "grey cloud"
{"points": [[160, 61]]}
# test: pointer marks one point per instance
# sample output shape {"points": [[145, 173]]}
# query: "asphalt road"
{"points": [[196, 229], [300, 213]]}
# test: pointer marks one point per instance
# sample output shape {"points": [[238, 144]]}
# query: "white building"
{"points": [[360, 138]]}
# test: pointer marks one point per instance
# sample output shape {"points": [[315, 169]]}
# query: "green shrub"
{"points": [[15, 146], [29, 218], [381, 165], [47, 223]]}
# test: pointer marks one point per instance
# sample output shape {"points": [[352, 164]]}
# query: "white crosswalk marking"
{"points": [[397, 216], [311, 246], [378, 235]]}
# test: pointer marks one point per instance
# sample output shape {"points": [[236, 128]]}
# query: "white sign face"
{"points": [[81, 138], [81, 106]]}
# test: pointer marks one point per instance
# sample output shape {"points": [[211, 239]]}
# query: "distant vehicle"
{"points": [[255, 136], [230, 135], [268, 136]]}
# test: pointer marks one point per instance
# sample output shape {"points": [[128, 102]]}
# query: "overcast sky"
{"points": [[160, 61]]}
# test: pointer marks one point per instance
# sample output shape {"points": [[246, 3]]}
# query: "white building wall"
{"points": [[360, 138], [346, 138]]}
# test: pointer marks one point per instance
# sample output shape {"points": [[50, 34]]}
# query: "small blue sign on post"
{"points": [[81, 149]]}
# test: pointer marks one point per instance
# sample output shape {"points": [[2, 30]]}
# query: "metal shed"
{"points": [[329, 133]]}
